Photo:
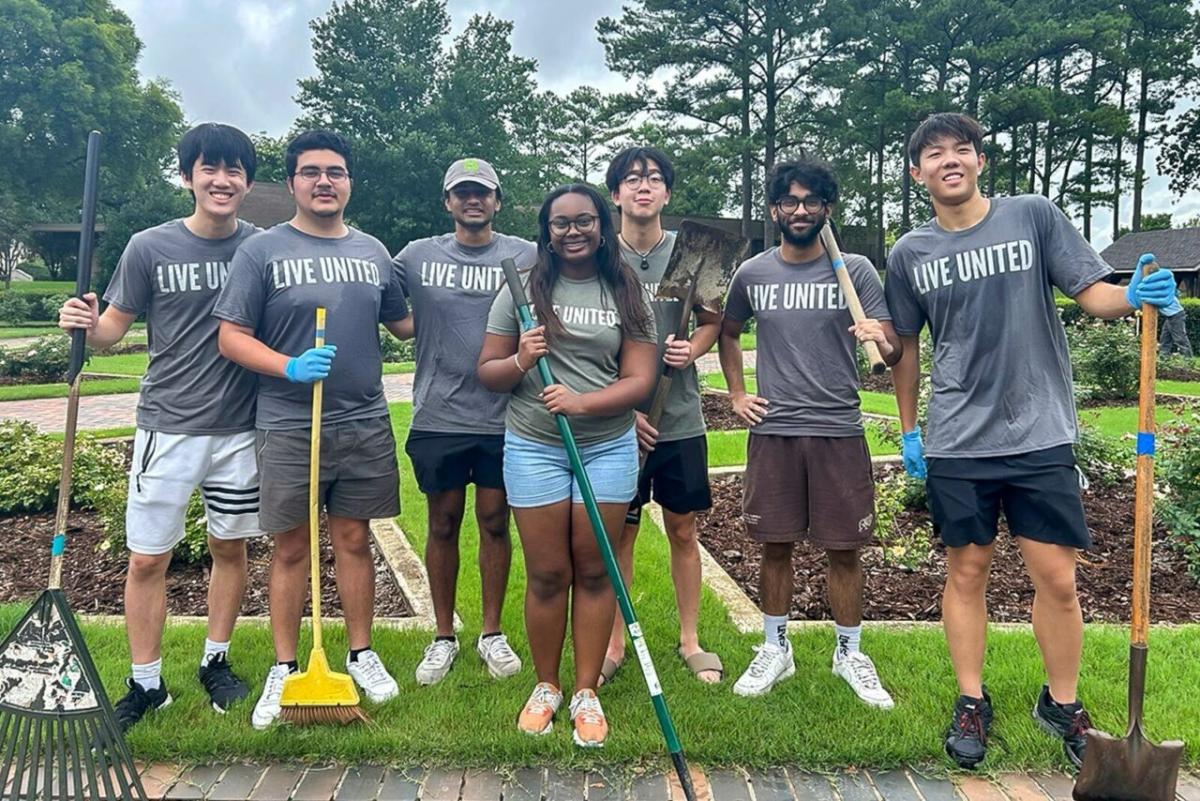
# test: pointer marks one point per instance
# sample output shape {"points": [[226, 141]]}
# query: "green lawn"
{"points": [[22, 331], [1178, 387], [120, 364], [394, 368], [728, 448], [1119, 421], [66, 287], [99, 386], [872, 402]]}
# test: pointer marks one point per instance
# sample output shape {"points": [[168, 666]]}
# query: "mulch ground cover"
{"points": [[895, 593], [1182, 373], [718, 414], [94, 578]]}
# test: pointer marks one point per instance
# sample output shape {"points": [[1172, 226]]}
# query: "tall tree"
{"points": [[591, 122]]}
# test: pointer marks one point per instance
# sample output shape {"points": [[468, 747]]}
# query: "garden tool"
{"points": [[829, 240], [1132, 768], [318, 695], [513, 278], [701, 264], [58, 734]]}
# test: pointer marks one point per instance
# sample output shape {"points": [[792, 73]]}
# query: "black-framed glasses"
{"points": [[634, 180], [334, 174], [584, 223], [788, 204]]}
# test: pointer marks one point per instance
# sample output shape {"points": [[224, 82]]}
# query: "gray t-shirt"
{"points": [[173, 277], [586, 358], [450, 288], [278, 279], [681, 416], [1001, 372], [806, 365]]}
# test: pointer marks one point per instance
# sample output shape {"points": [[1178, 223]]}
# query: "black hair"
{"points": [[624, 162], [611, 268], [216, 143], [818, 176], [950, 125], [318, 140]]}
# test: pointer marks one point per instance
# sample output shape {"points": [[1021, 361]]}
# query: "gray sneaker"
{"points": [[498, 655], [439, 657]]}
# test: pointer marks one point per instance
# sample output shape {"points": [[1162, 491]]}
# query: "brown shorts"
{"points": [[814, 488]]}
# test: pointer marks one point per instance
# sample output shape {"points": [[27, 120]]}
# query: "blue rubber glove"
{"points": [[312, 365], [913, 451], [1157, 289]]}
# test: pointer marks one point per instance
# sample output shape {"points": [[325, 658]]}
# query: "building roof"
{"points": [[267, 204], [1177, 249]]}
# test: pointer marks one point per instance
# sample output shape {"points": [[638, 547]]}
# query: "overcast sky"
{"points": [[238, 61]]}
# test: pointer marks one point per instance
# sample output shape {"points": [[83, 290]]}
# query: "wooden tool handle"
{"points": [[851, 294], [1143, 515], [314, 491]]}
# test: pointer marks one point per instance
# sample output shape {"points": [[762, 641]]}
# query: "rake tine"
{"points": [[60, 750], [7, 723], [89, 761], [73, 732], [31, 772], [22, 742], [103, 772]]}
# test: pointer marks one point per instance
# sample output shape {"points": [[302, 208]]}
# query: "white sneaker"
{"points": [[372, 677], [439, 656], [772, 664], [499, 656], [266, 711], [859, 672]]}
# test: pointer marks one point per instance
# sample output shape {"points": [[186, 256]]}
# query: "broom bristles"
{"points": [[323, 715]]}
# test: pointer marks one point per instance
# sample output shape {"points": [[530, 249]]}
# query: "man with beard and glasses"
{"points": [[268, 311], [808, 471], [457, 434]]}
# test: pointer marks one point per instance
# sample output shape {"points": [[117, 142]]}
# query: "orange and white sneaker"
{"points": [[537, 717], [591, 728]]}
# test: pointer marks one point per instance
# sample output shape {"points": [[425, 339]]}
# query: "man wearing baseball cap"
{"points": [[457, 433]]}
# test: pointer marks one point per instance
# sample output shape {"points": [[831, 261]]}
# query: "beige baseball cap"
{"points": [[471, 169]]}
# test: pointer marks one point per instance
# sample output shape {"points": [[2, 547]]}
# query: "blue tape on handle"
{"points": [[59, 545], [839, 264], [1145, 444], [321, 333]]}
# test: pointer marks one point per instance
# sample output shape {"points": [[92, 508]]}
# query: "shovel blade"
{"points": [[706, 256], [1128, 769]]}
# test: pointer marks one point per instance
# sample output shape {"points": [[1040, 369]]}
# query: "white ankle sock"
{"points": [[213, 650], [775, 629], [149, 675], [848, 638]]}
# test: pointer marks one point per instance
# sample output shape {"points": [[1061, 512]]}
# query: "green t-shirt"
{"points": [[586, 358], [681, 417]]}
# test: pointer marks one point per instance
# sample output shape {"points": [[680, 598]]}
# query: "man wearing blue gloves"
{"points": [[1002, 422], [267, 310]]}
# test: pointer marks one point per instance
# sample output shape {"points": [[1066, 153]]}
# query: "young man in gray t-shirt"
{"points": [[195, 415], [267, 312], [675, 471], [808, 470], [982, 275], [457, 433]]}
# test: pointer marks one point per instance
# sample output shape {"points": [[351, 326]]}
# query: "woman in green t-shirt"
{"points": [[597, 331]]}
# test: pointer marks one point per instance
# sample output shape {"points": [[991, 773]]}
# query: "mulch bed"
{"points": [[94, 579], [718, 414], [1178, 373], [894, 593]]}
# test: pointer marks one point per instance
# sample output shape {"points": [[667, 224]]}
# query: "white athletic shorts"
{"points": [[167, 468]]}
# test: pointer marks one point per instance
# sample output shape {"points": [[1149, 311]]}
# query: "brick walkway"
{"points": [[378, 783], [117, 411]]}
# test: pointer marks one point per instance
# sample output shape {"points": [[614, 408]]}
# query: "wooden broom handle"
{"points": [[314, 487], [851, 294], [1143, 515]]}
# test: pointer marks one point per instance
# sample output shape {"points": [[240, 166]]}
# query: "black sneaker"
{"points": [[222, 685], [1069, 722], [966, 740], [137, 702]]}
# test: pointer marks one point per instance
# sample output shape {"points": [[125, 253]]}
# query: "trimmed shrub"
{"points": [[1178, 505], [44, 361], [395, 350], [1105, 358], [14, 308]]}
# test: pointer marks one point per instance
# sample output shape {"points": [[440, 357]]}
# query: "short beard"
{"points": [[473, 225], [800, 240], [325, 214]]}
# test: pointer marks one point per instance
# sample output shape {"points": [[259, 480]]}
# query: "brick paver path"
{"points": [[378, 783]]}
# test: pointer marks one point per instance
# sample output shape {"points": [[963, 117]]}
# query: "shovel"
{"points": [[701, 264], [1132, 768]]}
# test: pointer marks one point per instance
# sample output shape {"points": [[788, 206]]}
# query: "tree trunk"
{"points": [[1048, 147], [906, 184], [881, 147], [1089, 145], [770, 135], [992, 163], [1139, 175], [1119, 155], [747, 146]]}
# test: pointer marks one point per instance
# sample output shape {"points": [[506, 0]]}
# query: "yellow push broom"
{"points": [[318, 695]]}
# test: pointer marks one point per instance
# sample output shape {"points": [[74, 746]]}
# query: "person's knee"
{"points": [[777, 552], [444, 525], [291, 551], [681, 532], [843, 561], [1058, 588], [493, 524], [227, 552], [968, 576], [148, 567], [547, 584]]}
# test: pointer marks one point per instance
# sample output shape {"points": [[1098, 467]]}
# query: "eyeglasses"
{"points": [[334, 174], [789, 203], [584, 223], [634, 180]]}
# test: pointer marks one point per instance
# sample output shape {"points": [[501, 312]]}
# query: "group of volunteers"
{"points": [[225, 408]]}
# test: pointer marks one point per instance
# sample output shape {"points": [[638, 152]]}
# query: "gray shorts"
{"points": [[359, 474]]}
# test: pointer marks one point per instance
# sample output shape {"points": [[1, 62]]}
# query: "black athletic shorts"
{"points": [[1038, 492], [443, 462], [677, 473]]}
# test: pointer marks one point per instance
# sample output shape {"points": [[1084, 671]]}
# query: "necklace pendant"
{"points": [[645, 263]]}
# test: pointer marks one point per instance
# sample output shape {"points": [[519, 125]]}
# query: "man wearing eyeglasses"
{"points": [[267, 312], [639, 180], [457, 433], [808, 471]]}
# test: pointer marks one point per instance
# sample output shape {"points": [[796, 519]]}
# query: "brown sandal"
{"points": [[608, 670], [704, 661]]}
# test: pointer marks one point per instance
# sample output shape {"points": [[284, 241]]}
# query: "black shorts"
{"points": [[443, 462], [677, 473], [1038, 492]]}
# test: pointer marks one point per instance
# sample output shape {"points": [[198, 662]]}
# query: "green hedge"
{"points": [[1072, 314], [21, 305]]}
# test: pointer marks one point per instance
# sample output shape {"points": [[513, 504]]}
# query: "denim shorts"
{"points": [[537, 474]]}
